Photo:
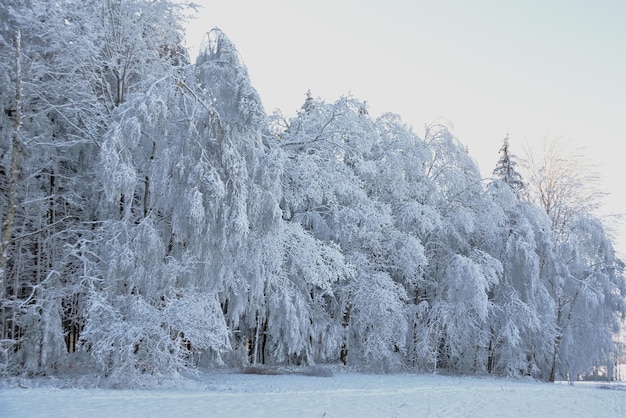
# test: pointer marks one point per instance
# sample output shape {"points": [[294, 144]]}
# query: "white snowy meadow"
{"points": [[155, 219], [228, 394]]}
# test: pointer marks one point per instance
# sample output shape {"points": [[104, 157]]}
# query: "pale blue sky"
{"points": [[532, 69]]}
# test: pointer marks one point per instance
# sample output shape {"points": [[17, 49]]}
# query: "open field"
{"points": [[344, 394]]}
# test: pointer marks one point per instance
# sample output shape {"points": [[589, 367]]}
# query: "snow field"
{"points": [[229, 394]]}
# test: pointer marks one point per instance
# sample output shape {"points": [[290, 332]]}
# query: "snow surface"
{"points": [[233, 394]]}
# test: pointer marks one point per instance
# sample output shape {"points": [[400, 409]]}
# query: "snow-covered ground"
{"points": [[232, 394]]}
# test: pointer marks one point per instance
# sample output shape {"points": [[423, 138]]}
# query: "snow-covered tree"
{"points": [[506, 168], [52, 221], [457, 248], [331, 150], [274, 279], [159, 193], [154, 219], [588, 290], [522, 321], [563, 183], [585, 279]]}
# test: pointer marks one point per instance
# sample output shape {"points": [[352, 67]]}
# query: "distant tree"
{"points": [[562, 182], [506, 169]]}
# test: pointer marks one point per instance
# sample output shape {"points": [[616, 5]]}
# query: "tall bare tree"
{"points": [[562, 182]]}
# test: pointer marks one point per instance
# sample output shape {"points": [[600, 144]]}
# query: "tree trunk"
{"points": [[555, 357], [557, 343], [14, 171]]}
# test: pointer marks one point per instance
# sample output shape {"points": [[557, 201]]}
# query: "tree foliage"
{"points": [[154, 218]]}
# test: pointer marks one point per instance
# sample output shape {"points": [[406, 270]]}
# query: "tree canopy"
{"points": [[155, 218]]}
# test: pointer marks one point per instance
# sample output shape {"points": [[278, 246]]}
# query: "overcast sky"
{"points": [[532, 69]]}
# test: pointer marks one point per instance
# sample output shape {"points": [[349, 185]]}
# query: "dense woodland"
{"points": [[155, 218]]}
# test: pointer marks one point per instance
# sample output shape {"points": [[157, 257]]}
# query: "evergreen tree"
{"points": [[506, 168]]}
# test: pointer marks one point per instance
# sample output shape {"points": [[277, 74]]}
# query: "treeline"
{"points": [[154, 218]]}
